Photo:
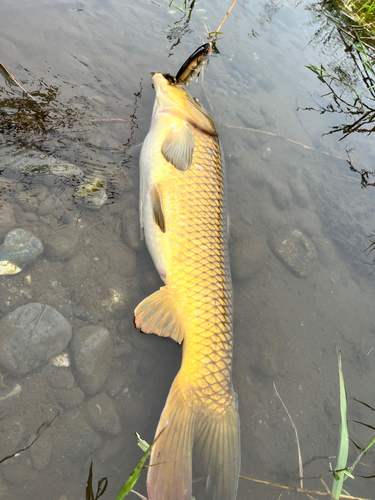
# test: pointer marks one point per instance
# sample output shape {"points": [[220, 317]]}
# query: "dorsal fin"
{"points": [[178, 146], [157, 206]]}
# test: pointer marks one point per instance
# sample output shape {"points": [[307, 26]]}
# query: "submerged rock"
{"points": [[102, 414], [92, 351], [33, 162], [74, 439], [41, 450], [296, 250], [7, 218], [30, 336], [92, 192], [20, 248]]}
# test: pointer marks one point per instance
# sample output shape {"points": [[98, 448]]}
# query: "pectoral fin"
{"points": [[157, 206], [178, 147], [158, 314]]}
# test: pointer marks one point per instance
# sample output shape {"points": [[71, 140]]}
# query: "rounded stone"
{"points": [[30, 336], [251, 119], [102, 414], [41, 451], [77, 267], [7, 218], [92, 349], [247, 256], [68, 398], [21, 248], [60, 248], [61, 378]]}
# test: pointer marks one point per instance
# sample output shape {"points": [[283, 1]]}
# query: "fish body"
{"points": [[183, 211]]}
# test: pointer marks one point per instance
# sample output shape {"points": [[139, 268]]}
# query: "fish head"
{"points": [[174, 100]]}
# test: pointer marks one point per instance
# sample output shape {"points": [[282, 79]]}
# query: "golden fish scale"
{"points": [[198, 273]]}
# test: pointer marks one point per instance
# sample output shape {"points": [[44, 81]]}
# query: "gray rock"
{"points": [[41, 450], [102, 414], [60, 247], [115, 383], [20, 248], [12, 431], [281, 194], [250, 118], [68, 398], [77, 268], [267, 154], [92, 351], [300, 192], [92, 192], [116, 302], [247, 257], [74, 439], [16, 473], [131, 229], [61, 378], [32, 162], [46, 207], [296, 250], [7, 219], [30, 336]]}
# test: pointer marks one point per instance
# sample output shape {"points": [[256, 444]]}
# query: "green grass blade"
{"points": [[366, 448], [343, 451], [134, 476]]}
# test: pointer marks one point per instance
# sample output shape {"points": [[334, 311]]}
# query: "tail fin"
{"points": [[170, 474], [217, 450], [216, 445]]}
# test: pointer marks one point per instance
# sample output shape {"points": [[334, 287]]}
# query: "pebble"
{"points": [[301, 194], [296, 250], [92, 350], [41, 450], [102, 415], [60, 247], [74, 439], [131, 230], [61, 378], [34, 163], [20, 248], [12, 431], [116, 303], [247, 257], [68, 398], [46, 207], [31, 217], [61, 360], [30, 336], [92, 192], [281, 194], [16, 473], [7, 219], [267, 154], [77, 268], [250, 118]]}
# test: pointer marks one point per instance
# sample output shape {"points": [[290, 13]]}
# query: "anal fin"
{"points": [[158, 314]]}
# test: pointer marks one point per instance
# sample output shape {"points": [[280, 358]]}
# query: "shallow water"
{"points": [[89, 63]]}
